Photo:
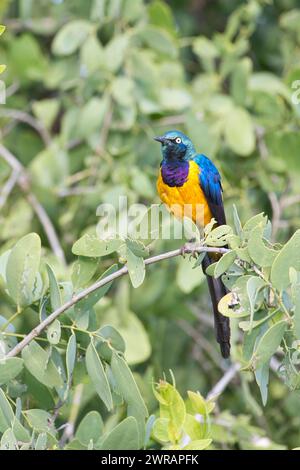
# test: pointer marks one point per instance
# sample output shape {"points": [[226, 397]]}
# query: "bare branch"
{"points": [[70, 425], [102, 282], [8, 187], [24, 185], [201, 342], [276, 212], [224, 381]]}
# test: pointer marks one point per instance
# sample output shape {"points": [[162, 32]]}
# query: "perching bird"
{"points": [[189, 178]]}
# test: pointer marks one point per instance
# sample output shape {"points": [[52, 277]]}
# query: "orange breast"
{"points": [[187, 200]]}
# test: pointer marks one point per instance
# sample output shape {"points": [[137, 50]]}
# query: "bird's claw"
{"points": [[183, 251], [191, 249]]}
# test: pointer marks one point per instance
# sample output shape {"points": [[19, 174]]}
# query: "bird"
{"points": [[187, 178]]}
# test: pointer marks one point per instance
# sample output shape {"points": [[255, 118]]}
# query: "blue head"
{"points": [[176, 146]]}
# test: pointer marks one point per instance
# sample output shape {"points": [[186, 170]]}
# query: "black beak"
{"points": [[160, 139]]}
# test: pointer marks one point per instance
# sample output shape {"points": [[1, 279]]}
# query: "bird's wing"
{"points": [[210, 182]]}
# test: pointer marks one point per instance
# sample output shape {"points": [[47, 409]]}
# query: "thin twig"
{"points": [[287, 201], [8, 187], [70, 425], [202, 342], [102, 282], [22, 116], [224, 381], [24, 185], [276, 213]]}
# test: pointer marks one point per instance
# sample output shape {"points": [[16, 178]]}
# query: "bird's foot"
{"points": [[190, 248]]}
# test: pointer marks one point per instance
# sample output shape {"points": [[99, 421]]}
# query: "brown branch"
{"points": [[102, 282], [24, 185]]}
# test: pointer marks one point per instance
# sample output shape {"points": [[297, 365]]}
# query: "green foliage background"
{"points": [[88, 86]]}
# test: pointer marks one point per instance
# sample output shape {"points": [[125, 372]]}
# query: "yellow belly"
{"points": [[187, 200]]}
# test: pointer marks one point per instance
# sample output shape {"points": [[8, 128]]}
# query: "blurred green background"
{"points": [[89, 83]]}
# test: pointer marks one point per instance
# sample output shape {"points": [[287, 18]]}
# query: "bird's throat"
{"points": [[175, 173]]}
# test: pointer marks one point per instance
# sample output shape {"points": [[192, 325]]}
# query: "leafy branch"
{"points": [[101, 283]]}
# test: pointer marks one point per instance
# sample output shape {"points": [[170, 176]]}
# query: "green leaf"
{"points": [[22, 269], [41, 442], [46, 111], [8, 441], [115, 52], [36, 360], [75, 444], [113, 341], [254, 285], [225, 307], [92, 54], [20, 431], [172, 407], [136, 268], [237, 222], [83, 271], [192, 427], [92, 116], [247, 325], [124, 436], [137, 248], [205, 48], [224, 263], [9, 369], [126, 384], [259, 252], [92, 246], [289, 256], [2, 29], [268, 83], [296, 299], [71, 356], [6, 410], [160, 430], [97, 375], [187, 277], [55, 297], [239, 81], [268, 344], [190, 230], [54, 332], [218, 236], [123, 91], [159, 40], [210, 270], [128, 389], [91, 299], [199, 404], [39, 419], [131, 328], [70, 37], [258, 219], [262, 379], [90, 428], [198, 445], [239, 131]]}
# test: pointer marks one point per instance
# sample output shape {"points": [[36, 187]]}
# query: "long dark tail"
{"points": [[222, 327]]}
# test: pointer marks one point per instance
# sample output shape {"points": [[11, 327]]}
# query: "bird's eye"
{"points": [[178, 140]]}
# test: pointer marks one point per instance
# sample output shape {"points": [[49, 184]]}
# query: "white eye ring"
{"points": [[178, 140]]}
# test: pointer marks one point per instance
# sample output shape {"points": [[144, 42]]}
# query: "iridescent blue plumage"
{"points": [[210, 181]]}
